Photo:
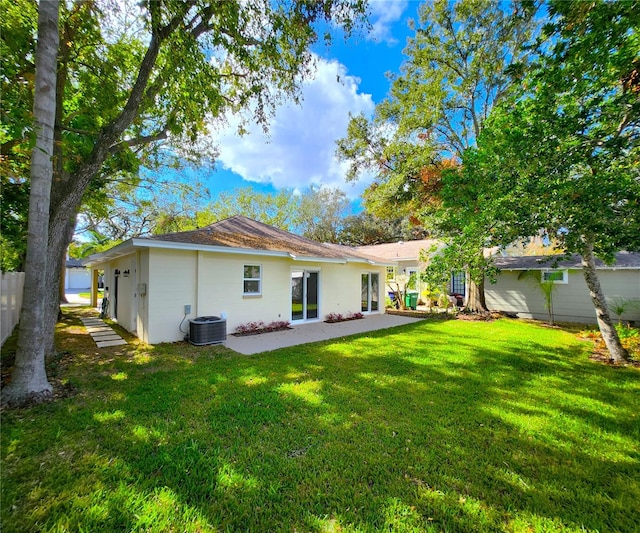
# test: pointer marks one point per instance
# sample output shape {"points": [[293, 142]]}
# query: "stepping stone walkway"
{"points": [[102, 333]]}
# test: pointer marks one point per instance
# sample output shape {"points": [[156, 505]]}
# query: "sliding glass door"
{"points": [[304, 295], [370, 292]]}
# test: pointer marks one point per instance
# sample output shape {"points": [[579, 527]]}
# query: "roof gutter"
{"points": [[317, 259]]}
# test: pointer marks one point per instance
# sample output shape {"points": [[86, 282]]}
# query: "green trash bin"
{"points": [[411, 300]]}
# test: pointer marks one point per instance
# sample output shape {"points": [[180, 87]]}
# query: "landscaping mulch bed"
{"points": [[420, 314]]}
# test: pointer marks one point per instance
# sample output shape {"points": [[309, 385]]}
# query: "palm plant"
{"points": [[546, 286]]}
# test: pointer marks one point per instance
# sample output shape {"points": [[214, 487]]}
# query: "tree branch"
{"points": [[143, 139], [78, 131]]}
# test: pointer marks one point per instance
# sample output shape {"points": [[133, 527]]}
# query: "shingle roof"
{"points": [[626, 260], [74, 263], [401, 250], [245, 233]]}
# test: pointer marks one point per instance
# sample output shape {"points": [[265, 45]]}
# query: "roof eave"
{"points": [[121, 249]]}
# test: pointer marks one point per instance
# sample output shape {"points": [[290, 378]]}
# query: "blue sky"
{"points": [[350, 78]]}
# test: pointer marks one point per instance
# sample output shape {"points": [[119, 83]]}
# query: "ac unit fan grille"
{"points": [[207, 330]]}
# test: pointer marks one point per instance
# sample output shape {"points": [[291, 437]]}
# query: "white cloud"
{"points": [[383, 14], [299, 150]]}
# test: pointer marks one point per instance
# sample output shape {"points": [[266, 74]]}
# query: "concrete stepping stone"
{"points": [[102, 333], [105, 344], [113, 337]]}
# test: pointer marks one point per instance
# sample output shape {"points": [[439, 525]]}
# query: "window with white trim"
{"points": [[556, 276], [252, 280], [391, 273]]}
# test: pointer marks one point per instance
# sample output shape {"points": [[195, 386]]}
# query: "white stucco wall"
{"points": [[571, 301], [212, 283], [172, 284], [142, 291], [123, 308]]}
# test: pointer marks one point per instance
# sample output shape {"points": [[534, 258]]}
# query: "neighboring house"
{"points": [[239, 269], [517, 293], [407, 256], [77, 276]]}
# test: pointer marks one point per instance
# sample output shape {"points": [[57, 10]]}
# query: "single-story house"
{"points": [[77, 275], [406, 255], [515, 292], [238, 269]]}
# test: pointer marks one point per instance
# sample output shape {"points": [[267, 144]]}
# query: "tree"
{"points": [[365, 229], [17, 78], [321, 212], [277, 209], [125, 208], [29, 378], [457, 70], [561, 156], [125, 92]]}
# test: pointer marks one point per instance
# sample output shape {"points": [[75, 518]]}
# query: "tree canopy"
{"points": [[560, 155], [135, 79], [459, 65]]}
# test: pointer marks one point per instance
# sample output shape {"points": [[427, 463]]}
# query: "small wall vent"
{"points": [[207, 330]]}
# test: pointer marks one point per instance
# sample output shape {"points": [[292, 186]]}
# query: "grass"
{"points": [[87, 295], [437, 426]]}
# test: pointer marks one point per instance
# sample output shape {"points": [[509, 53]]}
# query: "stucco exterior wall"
{"points": [[571, 301], [142, 290], [220, 289], [212, 283], [172, 284], [342, 287], [123, 306]]}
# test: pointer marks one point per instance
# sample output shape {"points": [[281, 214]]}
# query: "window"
{"points": [[391, 273], [555, 276], [413, 280], [252, 280], [458, 280]]}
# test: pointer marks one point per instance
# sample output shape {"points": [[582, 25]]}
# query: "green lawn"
{"points": [[437, 426]]}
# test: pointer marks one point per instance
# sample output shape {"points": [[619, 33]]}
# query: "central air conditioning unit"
{"points": [[207, 330]]}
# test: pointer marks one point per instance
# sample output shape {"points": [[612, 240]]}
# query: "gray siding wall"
{"points": [[571, 301]]}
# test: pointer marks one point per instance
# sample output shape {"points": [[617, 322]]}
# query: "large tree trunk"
{"points": [[61, 227], [68, 190], [476, 302], [29, 378], [609, 334]]}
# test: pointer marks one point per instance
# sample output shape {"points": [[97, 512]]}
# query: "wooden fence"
{"points": [[11, 290]]}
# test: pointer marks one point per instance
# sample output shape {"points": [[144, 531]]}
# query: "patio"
{"points": [[312, 332]]}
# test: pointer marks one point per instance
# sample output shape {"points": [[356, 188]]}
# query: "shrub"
{"points": [[629, 338], [337, 317], [255, 328]]}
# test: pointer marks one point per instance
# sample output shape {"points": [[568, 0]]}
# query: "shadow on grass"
{"points": [[431, 426]]}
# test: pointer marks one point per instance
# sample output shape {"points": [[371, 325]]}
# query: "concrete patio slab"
{"points": [[312, 332]]}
